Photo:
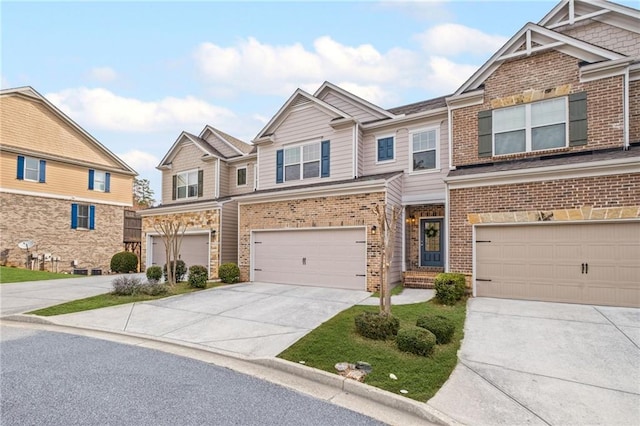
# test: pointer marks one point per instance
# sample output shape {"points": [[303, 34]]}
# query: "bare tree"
{"points": [[171, 230], [142, 194], [387, 223]]}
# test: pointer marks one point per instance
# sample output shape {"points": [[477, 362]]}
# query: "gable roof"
{"points": [[207, 150], [236, 145], [32, 94], [354, 99], [421, 106], [568, 12], [531, 39], [299, 97]]}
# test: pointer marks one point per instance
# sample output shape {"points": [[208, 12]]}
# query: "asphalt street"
{"points": [[50, 378]]}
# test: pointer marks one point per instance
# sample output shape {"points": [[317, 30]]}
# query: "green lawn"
{"points": [[336, 341], [17, 275], [394, 291], [104, 300]]}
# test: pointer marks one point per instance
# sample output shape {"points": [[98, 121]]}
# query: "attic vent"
{"points": [[300, 100]]}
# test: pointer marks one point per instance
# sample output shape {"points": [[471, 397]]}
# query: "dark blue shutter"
{"points": [[280, 166], [20, 174], [74, 216], [107, 182], [43, 173], [326, 159], [92, 217], [91, 173]]}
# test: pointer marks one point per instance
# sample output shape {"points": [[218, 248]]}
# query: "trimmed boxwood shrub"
{"points": [[198, 276], [124, 262], [154, 273], [377, 326], [441, 326], [450, 287], [229, 273], [181, 270], [416, 340]]}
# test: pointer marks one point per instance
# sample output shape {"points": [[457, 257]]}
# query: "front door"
{"points": [[431, 242]]}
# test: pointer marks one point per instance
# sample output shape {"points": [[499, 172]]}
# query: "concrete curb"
{"points": [[228, 359]]}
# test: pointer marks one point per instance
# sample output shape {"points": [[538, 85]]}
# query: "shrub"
{"points": [[154, 288], [181, 270], [416, 340], [229, 273], [124, 262], [450, 287], [126, 286], [377, 326], [154, 273], [198, 276], [442, 327]]}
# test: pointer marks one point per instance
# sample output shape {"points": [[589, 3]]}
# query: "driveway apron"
{"points": [[256, 319], [545, 363]]}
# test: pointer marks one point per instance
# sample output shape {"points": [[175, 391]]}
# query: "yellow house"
{"points": [[60, 189]]}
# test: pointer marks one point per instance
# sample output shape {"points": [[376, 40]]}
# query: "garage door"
{"points": [[325, 258], [586, 263], [194, 250]]}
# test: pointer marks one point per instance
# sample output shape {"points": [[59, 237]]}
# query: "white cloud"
{"points": [[103, 74], [103, 109], [140, 161], [453, 39]]}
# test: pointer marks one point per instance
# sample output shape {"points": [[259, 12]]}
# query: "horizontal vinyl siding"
{"points": [[225, 180], [307, 125], [430, 182], [65, 180], [351, 109], [188, 158], [233, 178], [394, 198], [31, 125], [229, 231]]}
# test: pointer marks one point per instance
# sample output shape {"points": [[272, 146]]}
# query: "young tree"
{"points": [[142, 193], [171, 230], [387, 223]]}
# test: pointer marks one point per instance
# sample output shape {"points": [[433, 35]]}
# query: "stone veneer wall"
{"points": [[199, 220], [47, 221], [594, 198], [412, 232], [334, 211]]}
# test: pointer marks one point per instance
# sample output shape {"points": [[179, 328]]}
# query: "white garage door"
{"points": [[324, 258], [595, 263], [194, 250]]}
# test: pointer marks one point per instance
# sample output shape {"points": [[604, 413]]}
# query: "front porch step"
{"points": [[419, 279]]}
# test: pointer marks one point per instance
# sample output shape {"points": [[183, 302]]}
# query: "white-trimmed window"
{"points": [[424, 145], [99, 181], [531, 127], [187, 184], [31, 169], [386, 148], [302, 162], [241, 176]]}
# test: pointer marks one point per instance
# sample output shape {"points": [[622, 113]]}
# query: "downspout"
{"points": [[625, 109], [217, 188], [446, 229], [404, 241], [450, 138], [355, 150]]}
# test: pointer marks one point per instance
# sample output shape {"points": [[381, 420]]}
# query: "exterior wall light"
{"points": [[374, 230]]}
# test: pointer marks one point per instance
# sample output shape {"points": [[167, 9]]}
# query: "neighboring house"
{"points": [[545, 192], [59, 187], [324, 162], [199, 176]]}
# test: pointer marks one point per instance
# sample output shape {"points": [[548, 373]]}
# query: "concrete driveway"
{"points": [[256, 319], [545, 363]]}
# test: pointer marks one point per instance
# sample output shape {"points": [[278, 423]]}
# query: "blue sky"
{"points": [[136, 74]]}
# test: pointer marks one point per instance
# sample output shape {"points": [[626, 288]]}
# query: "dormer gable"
{"points": [[224, 143], [570, 12], [208, 152], [362, 110]]}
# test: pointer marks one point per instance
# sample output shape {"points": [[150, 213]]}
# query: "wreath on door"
{"points": [[431, 231]]}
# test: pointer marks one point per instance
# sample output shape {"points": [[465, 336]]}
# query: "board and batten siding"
{"points": [[229, 232], [351, 108], [302, 125], [187, 159], [31, 125], [394, 199]]}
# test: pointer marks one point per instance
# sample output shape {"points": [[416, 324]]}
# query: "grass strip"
{"points": [[17, 275]]}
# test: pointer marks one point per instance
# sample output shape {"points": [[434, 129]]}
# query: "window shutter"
{"points": [[20, 174], [325, 159], [578, 119], [43, 173], [280, 166], [92, 217], [200, 182], [74, 216], [91, 174], [107, 182], [485, 145], [174, 187]]}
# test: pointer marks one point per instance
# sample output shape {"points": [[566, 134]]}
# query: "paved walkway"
{"points": [[407, 297]]}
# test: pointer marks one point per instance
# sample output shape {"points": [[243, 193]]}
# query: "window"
{"points": [[187, 184], [385, 148], [31, 169], [83, 216], [99, 180], [530, 127], [303, 162], [425, 150], [241, 176]]}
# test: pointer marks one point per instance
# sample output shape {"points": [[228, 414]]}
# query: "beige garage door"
{"points": [[587, 263], [194, 250], [324, 258]]}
